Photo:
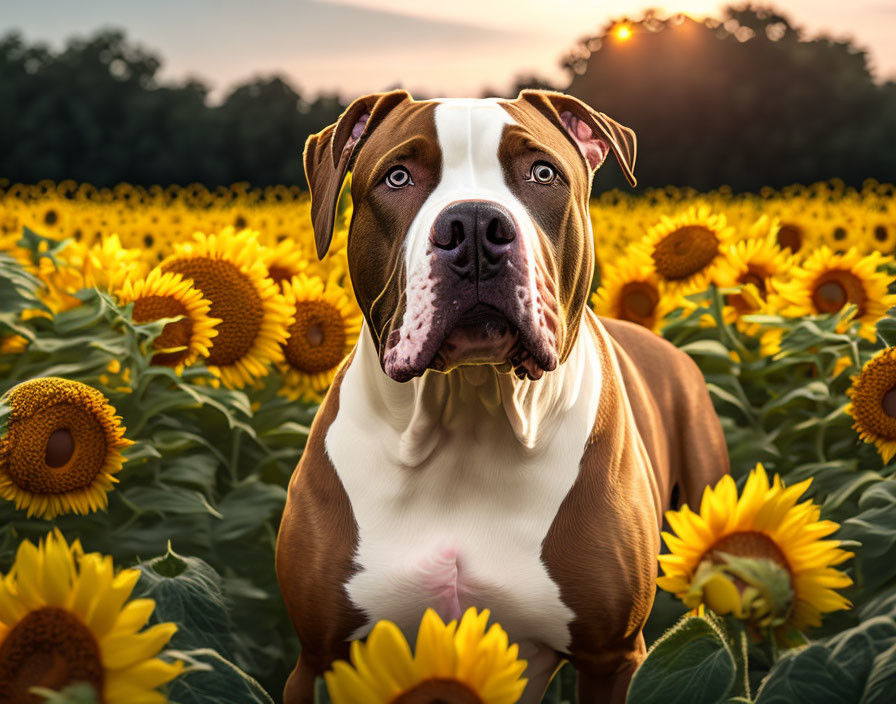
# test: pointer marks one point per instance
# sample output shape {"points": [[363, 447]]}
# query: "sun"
{"points": [[622, 32], [61, 449], [65, 618]]}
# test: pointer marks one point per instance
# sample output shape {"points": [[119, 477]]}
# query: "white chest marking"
{"points": [[454, 480]]}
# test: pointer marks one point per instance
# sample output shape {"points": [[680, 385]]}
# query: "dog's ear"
{"points": [[330, 153], [591, 131]]}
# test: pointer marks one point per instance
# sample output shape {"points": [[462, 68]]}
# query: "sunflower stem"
{"points": [[234, 455], [730, 339]]}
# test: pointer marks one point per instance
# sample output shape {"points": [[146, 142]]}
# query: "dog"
{"points": [[489, 442]]}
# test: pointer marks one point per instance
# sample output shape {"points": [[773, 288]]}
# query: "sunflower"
{"points": [[462, 664], [48, 219], [13, 344], [827, 281], [883, 236], [688, 250], [873, 402], [228, 269], [326, 328], [754, 264], [760, 557], [285, 260], [790, 235], [65, 618], [631, 290], [61, 448], [169, 296], [106, 265]]}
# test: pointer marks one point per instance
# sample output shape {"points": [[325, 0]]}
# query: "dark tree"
{"points": [[746, 102], [96, 112]]}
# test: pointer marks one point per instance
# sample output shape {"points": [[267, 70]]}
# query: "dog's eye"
{"points": [[542, 172], [398, 177]]}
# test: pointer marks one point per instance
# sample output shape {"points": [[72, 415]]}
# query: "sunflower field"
{"points": [[162, 355]]}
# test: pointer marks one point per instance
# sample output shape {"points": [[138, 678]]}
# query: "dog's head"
{"points": [[470, 240]]}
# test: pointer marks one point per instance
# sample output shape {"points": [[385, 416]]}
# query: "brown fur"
{"points": [[601, 549], [317, 539]]}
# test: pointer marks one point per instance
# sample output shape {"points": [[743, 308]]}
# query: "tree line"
{"points": [[746, 100]]}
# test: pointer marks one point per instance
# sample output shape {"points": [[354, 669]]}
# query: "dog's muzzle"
{"points": [[481, 306]]}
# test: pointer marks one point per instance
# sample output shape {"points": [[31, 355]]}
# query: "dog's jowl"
{"points": [[489, 442]]}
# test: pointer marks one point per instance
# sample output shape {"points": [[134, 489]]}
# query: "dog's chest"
{"points": [[465, 525]]}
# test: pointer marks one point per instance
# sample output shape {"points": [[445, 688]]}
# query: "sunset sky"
{"points": [[360, 46]]}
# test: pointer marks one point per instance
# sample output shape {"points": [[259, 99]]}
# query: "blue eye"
{"points": [[542, 172], [398, 177]]}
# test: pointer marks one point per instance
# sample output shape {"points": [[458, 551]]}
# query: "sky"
{"points": [[454, 48]]}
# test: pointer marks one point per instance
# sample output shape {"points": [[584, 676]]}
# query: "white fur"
{"points": [[469, 134], [472, 463]]}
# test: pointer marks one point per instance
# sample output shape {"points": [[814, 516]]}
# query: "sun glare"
{"points": [[623, 32]]}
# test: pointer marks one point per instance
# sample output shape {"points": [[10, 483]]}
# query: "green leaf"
{"points": [[886, 330], [691, 664], [247, 507], [192, 598], [213, 679], [169, 500], [707, 348], [835, 671], [881, 684], [807, 677], [875, 529], [75, 694]]}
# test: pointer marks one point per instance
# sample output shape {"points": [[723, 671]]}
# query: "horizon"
{"points": [[383, 44]]}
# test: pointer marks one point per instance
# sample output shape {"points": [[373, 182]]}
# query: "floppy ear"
{"points": [[330, 153], [591, 131]]}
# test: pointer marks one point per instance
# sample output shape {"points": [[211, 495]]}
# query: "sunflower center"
{"points": [[174, 335], [685, 251], [741, 302], [438, 690], [233, 299], [49, 647], [55, 450], [749, 543], [880, 233], [790, 237], [835, 288], [754, 278], [637, 302], [874, 399], [50, 217], [889, 403], [60, 448], [279, 273], [316, 339]]}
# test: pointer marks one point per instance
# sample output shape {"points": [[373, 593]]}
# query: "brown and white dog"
{"points": [[490, 442]]}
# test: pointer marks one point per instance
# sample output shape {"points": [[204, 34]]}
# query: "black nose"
{"points": [[475, 236]]}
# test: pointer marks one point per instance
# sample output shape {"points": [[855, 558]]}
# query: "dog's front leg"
{"points": [[604, 677]]}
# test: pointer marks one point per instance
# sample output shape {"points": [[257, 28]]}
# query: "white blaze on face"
{"points": [[469, 134]]}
